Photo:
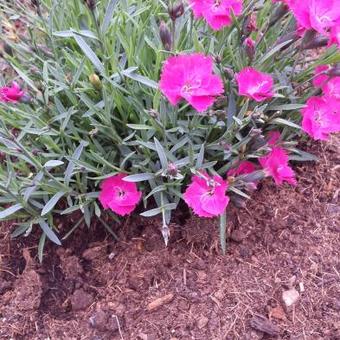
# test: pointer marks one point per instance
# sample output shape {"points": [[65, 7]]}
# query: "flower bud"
{"points": [[229, 72], [249, 48], [165, 36], [176, 11], [91, 4], [280, 12], [334, 71], [249, 25], [317, 42], [172, 170], [95, 81]]}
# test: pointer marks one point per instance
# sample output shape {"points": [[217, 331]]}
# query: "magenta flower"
{"points": [[320, 77], [254, 84], [319, 15], [332, 88], [206, 195], [120, 196], [245, 167], [335, 35], [275, 164], [321, 117], [217, 13], [11, 94], [190, 77], [273, 137]]}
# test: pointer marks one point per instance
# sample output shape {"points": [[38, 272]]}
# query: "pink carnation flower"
{"points": [[120, 196], [335, 35], [319, 15], [254, 84], [320, 77], [245, 167], [332, 88], [206, 195], [321, 117], [190, 77], [276, 165], [217, 13], [11, 94], [273, 137]]}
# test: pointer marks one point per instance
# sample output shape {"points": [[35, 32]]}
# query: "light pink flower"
{"points": [[11, 94], [254, 84], [217, 13], [276, 165], [190, 77], [320, 77], [332, 88], [207, 195], [321, 117], [319, 15], [273, 137], [335, 35], [118, 195], [245, 167]]}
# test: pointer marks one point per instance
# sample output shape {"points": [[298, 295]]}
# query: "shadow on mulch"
{"points": [[284, 249]]}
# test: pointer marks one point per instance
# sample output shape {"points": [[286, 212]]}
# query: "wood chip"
{"points": [[262, 324], [160, 302]]}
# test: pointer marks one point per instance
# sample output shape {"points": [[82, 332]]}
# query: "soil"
{"points": [[279, 279]]}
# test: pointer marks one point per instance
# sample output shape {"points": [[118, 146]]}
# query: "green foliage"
{"points": [[96, 109]]}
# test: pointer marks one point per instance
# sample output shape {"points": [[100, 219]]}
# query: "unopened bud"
{"points": [[229, 72], [172, 170], [26, 98], [95, 81], [91, 4], [238, 201], [334, 71], [165, 36], [317, 42], [176, 11], [292, 36], [249, 25], [249, 48], [218, 59], [280, 12]]}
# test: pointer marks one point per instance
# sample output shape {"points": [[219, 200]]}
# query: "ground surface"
{"points": [[285, 249]]}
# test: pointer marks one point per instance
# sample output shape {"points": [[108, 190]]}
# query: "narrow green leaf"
{"points": [[108, 15], [161, 154], [52, 202], [49, 232], [139, 177], [223, 232], [10, 211], [41, 247]]}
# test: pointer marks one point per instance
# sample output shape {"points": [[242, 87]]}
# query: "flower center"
{"points": [[119, 192]]}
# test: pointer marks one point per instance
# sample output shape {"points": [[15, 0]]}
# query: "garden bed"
{"points": [[93, 288]]}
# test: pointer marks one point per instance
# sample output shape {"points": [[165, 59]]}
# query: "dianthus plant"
{"points": [[114, 107]]}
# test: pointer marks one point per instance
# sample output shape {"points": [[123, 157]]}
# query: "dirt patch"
{"points": [[280, 278]]}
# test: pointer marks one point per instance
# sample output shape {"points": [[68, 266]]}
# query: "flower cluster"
{"points": [[321, 116]]}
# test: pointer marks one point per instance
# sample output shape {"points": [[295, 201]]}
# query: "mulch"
{"points": [[280, 278]]}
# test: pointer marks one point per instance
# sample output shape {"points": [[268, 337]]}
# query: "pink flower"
{"points": [[190, 77], [319, 15], [332, 88], [217, 13], [321, 117], [335, 35], [245, 167], [273, 137], [276, 165], [320, 77], [206, 195], [11, 94], [120, 196], [254, 84]]}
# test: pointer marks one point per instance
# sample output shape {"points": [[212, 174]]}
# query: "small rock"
{"points": [[160, 302], [81, 300], [201, 275], [202, 322], [277, 313], [94, 253], [290, 297], [237, 236], [99, 320], [262, 324]]}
